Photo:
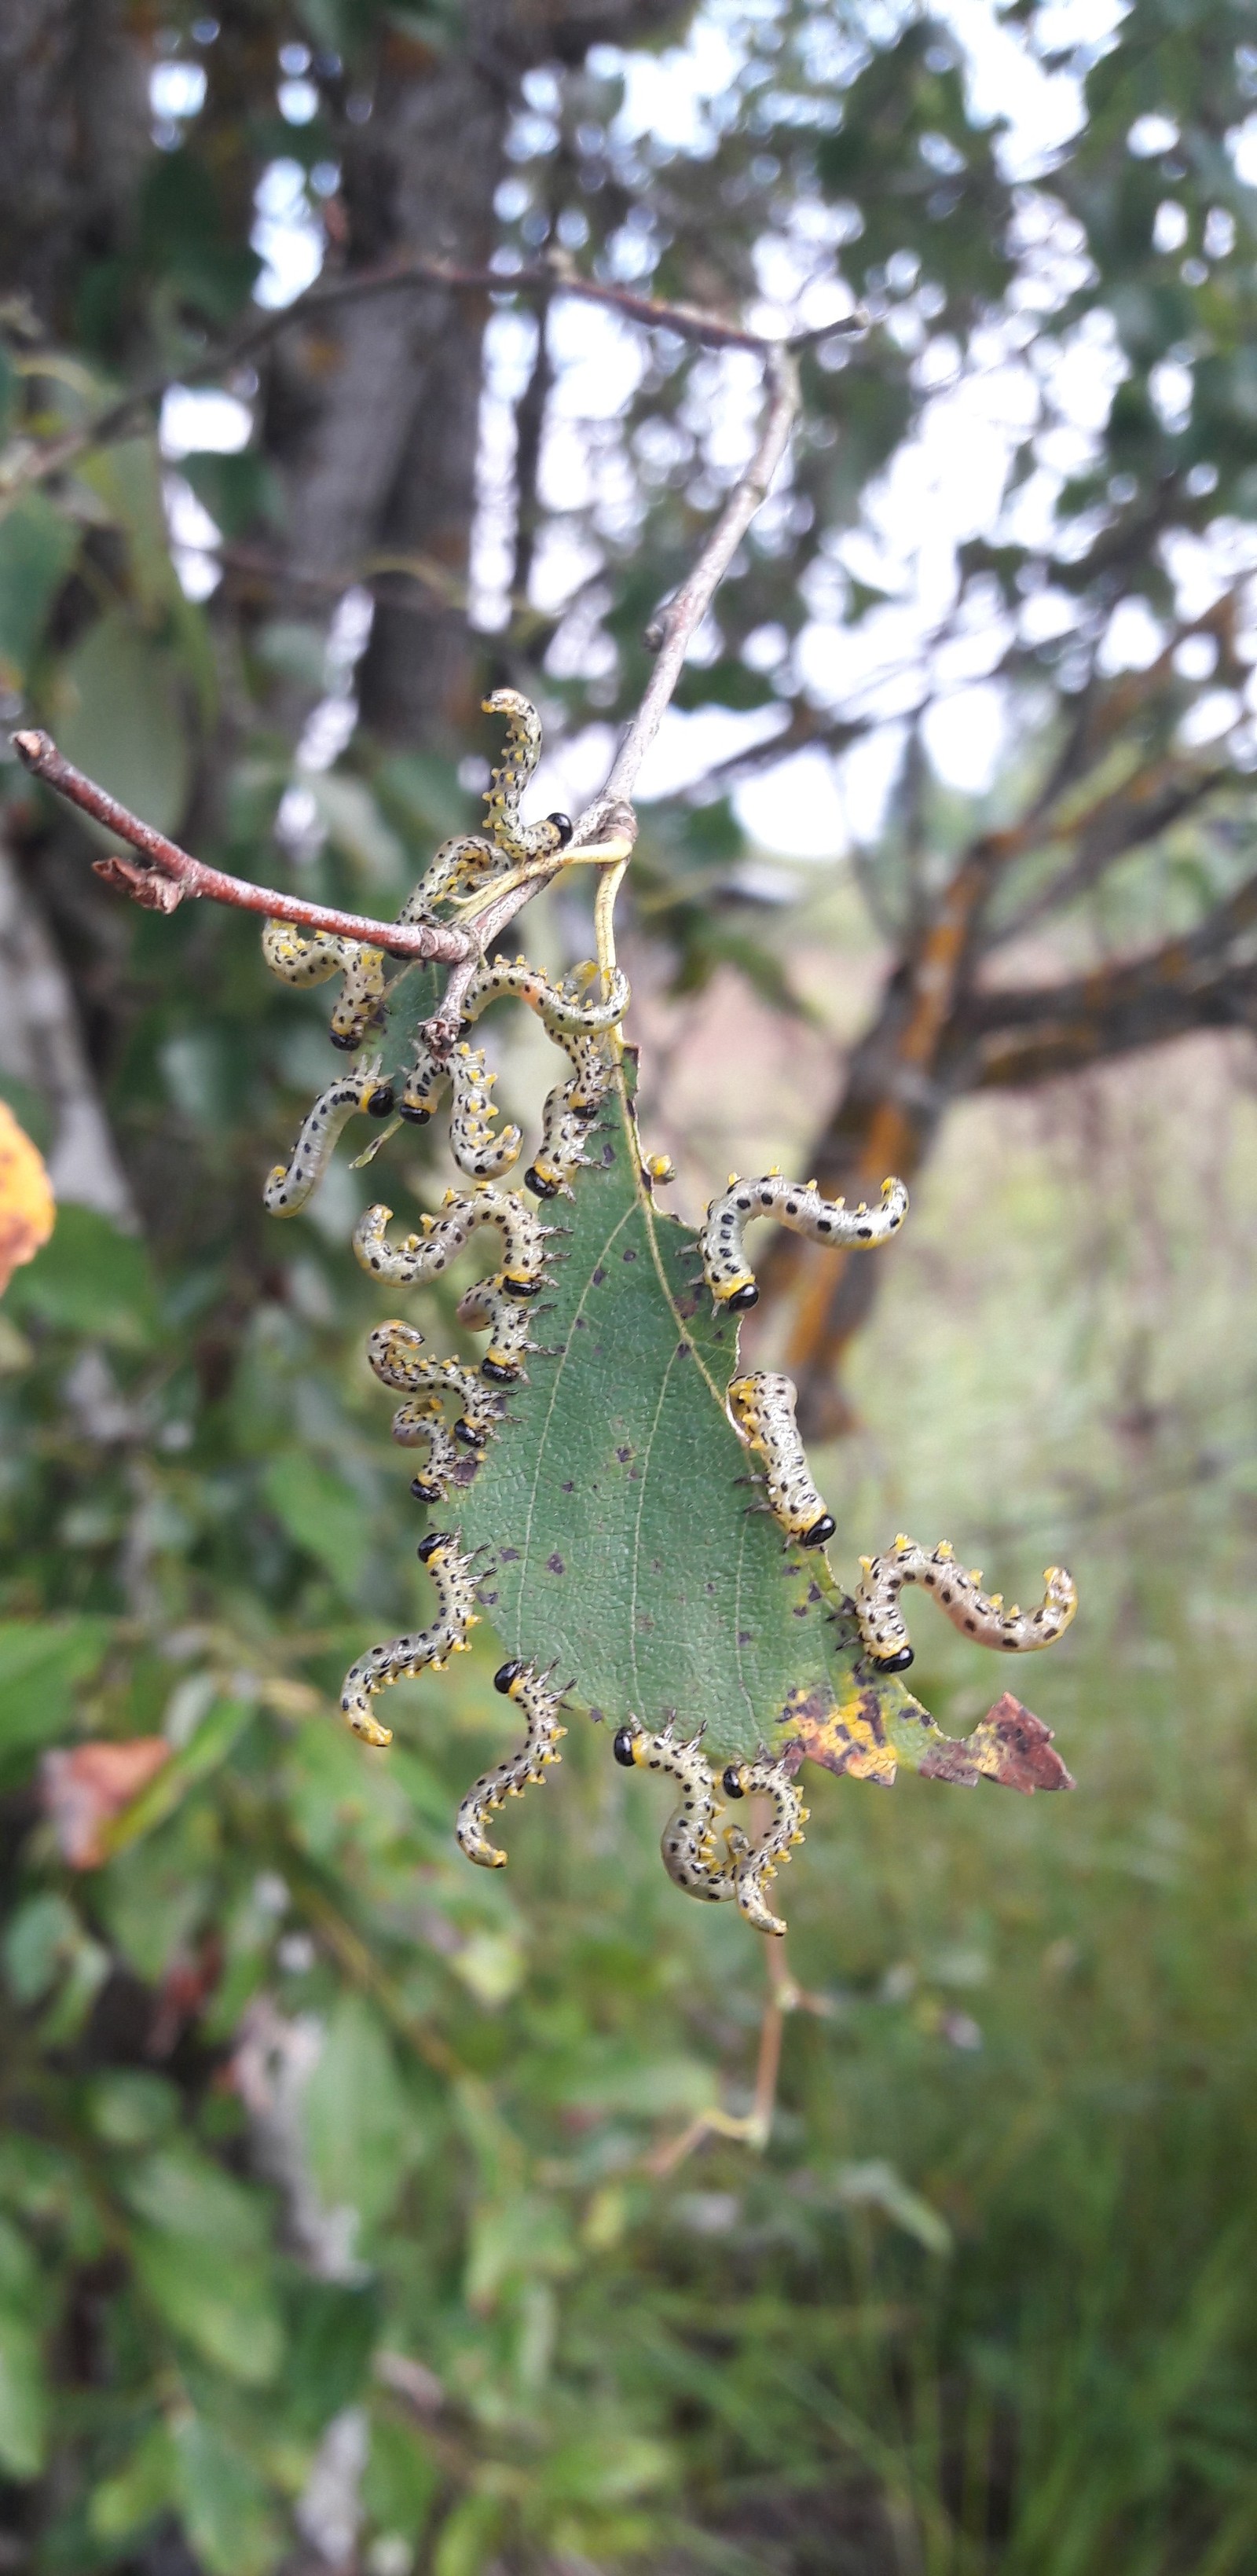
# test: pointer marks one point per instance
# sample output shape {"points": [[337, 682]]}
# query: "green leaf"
{"points": [[129, 2109], [522, 2238], [137, 2493], [402, 2480], [357, 2117], [223, 2307], [89, 1278], [38, 544], [118, 713], [23, 2397], [237, 490], [40, 1662], [186, 2195], [204, 1753], [616, 1513], [127, 479], [222, 2502], [38, 1943], [878, 2185], [321, 1512], [332, 2331]]}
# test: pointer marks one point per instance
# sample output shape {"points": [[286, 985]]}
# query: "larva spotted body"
{"points": [[564, 1134], [427, 1650], [566, 1006], [509, 778], [311, 961], [798, 1205], [423, 1257], [689, 1845], [762, 1407], [959, 1595], [755, 1864], [427, 1385], [290, 1184], [529, 1691], [477, 1150], [488, 1303]]}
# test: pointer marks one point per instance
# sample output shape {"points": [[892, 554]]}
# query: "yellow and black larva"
{"points": [[531, 1692], [564, 1134], [427, 1651], [761, 1407], [959, 1595], [462, 866], [706, 1855], [798, 1205], [289, 1185], [427, 1385], [519, 841], [565, 1008], [489, 1303], [423, 1257], [689, 1838], [478, 1150]]}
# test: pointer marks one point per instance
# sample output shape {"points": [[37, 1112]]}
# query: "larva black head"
{"points": [[497, 1373], [622, 1746], [893, 1663], [539, 1185], [346, 1038], [586, 1111], [424, 1493], [516, 1287], [506, 1674], [731, 1783], [562, 824], [418, 1117], [738, 1303], [380, 1104], [431, 1545], [470, 1439], [820, 1530]]}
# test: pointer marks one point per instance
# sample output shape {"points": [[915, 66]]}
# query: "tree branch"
{"points": [[1005, 1040], [708, 330], [172, 874], [604, 834], [680, 619]]}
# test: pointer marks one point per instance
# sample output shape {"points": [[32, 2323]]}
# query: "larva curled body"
{"points": [[531, 1692], [689, 1844], [977, 1614], [423, 1257], [798, 1205], [289, 1185], [312, 961], [428, 1385], [564, 1134], [755, 1864], [762, 1408], [489, 1304], [564, 1007], [477, 1150], [510, 776], [427, 1650]]}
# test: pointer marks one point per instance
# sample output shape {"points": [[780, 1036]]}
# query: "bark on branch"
{"points": [[604, 833]]}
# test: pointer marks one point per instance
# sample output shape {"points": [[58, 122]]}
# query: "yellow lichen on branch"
{"points": [[28, 1209]]}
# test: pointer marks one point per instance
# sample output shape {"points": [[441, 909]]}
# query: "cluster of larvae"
{"points": [[450, 1410]]}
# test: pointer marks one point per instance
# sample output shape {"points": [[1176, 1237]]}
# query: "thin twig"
{"points": [[709, 330], [604, 834], [173, 875], [683, 614]]}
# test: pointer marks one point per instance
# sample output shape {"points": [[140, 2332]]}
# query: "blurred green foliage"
{"points": [[325, 2201]]}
